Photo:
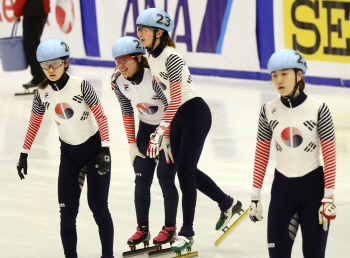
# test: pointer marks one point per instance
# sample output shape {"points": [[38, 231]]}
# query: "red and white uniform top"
{"points": [[143, 94], [70, 101], [301, 128], [170, 71]]}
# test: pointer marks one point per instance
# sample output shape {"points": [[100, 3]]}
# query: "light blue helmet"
{"points": [[126, 46], [286, 58], [52, 48], [155, 17]]}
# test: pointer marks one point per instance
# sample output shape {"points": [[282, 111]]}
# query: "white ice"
{"points": [[29, 212]]}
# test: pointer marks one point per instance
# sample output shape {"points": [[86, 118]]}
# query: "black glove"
{"points": [[22, 164], [103, 162]]}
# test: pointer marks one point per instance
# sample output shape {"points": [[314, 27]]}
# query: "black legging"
{"points": [[73, 159], [33, 27], [189, 128], [144, 171], [300, 195]]}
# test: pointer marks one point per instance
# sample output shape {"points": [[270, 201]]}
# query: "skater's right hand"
{"points": [[255, 211], [22, 164], [134, 151], [154, 143], [165, 146]]}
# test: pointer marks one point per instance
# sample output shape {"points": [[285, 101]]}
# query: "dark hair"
{"points": [[46, 81], [301, 82], [143, 63], [165, 40]]}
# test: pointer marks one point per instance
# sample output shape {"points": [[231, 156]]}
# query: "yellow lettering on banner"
{"points": [[318, 29]]}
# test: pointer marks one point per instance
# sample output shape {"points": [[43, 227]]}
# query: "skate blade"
{"points": [[160, 252], [229, 230], [139, 251], [190, 254], [26, 92]]}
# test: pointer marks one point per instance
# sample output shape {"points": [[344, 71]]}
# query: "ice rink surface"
{"points": [[29, 212]]}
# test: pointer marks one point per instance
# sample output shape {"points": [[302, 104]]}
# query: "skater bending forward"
{"points": [[190, 119], [302, 190], [75, 107], [135, 88]]}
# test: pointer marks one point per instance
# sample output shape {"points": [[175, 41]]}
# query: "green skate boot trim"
{"points": [[220, 222], [226, 216], [181, 243]]}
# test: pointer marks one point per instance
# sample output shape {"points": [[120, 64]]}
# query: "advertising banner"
{"points": [[319, 30], [64, 22], [209, 34]]}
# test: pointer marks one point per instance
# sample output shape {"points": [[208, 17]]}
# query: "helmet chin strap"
{"points": [[150, 49], [295, 87]]}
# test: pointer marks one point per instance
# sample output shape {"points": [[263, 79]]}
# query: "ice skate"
{"points": [[142, 235], [29, 88], [228, 230], [226, 216], [166, 235], [181, 243]]}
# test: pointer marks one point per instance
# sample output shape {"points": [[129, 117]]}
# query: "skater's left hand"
{"points": [[154, 143], [114, 78], [165, 146], [22, 165], [103, 162], [255, 211], [327, 212]]}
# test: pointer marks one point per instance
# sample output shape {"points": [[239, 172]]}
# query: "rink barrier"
{"points": [[226, 73]]}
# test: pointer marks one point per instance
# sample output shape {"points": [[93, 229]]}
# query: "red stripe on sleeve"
{"points": [[33, 128], [102, 122], [129, 125], [262, 154], [328, 151], [175, 101]]}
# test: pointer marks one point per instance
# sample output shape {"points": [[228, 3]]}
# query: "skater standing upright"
{"points": [[302, 190], [73, 102], [34, 14], [134, 87], [190, 120]]}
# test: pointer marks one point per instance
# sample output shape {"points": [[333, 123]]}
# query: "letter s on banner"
{"points": [[318, 29]]}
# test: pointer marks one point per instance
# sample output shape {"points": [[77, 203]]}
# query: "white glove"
{"points": [[154, 143], [255, 211], [165, 146], [327, 212], [114, 77], [134, 151]]}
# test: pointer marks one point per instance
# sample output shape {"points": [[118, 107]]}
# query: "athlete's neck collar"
{"points": [[60, 83], [137, 77], [157, 51], [295, 101]]}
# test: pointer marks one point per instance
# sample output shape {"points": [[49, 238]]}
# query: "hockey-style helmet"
{"points": [[127, 46], [286, 58], [52, 48], [155, 18]]}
